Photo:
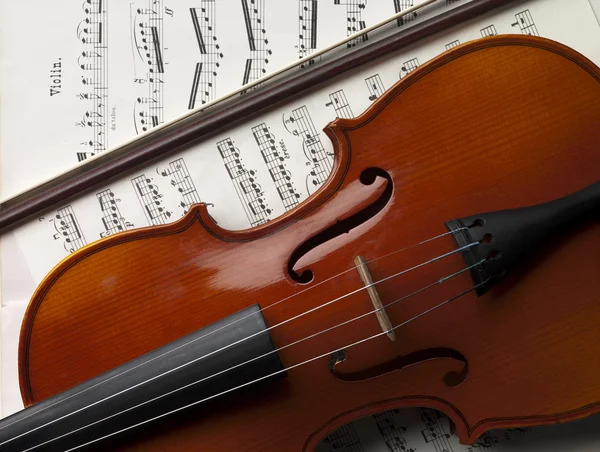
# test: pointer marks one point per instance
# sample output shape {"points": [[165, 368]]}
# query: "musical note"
{"points": [[112, 220], [340, 104], [275, 157], [375, 87], [93, 64], [148, 49], [249, 192], [68, 229], [300, 124], [254, 18], [307, 33], [345, 439], [408, 67], [204, 84], [391, 431], [401, 5], [525, 23], [485, 442], [150, 199], [180, 179], [488, 31], [434, 430], [452, 44], [354, 21]]}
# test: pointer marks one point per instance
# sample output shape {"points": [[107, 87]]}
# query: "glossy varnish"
{"points": [[499, 123]]}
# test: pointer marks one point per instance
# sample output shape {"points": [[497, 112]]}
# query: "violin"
{"points": [[449, 261]]}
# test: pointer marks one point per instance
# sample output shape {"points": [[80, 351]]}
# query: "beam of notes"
{"points": [[300, 124], [391, 431], [148, 50], [204, 82], [408, 66], [180, 179], [68, 229], [340, 104], [488, 31], [375, 87], [112, 220], [249, 192], [93, 64], [254, 18], [150, 199], [345, 439], [452, 44], [401, 5], [354, 20], [525, 23], [275, 155], [307, 33]]}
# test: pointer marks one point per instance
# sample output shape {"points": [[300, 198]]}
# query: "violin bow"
{"points": [[226, 111]]}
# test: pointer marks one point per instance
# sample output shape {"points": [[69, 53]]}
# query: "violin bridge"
{"points": [[382, 317]]}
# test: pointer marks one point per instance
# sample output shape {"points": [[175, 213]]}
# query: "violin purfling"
{"points": [[449, 261]]}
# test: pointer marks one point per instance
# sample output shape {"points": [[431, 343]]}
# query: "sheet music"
{"points": [[256, 171], [114, 69]]}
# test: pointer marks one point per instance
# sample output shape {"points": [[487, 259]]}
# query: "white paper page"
{"points": [[596, 7], [206, 164], [108, 70]]}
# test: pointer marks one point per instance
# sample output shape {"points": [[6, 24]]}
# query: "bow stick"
{"points": [[228, 110]]}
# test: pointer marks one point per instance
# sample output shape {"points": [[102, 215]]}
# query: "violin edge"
{"points": [[198, 212], [467, 434], [460, 50], [334, 131]]}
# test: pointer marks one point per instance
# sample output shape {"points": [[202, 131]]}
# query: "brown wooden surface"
{"points": [[200, 125], [499, 123]]}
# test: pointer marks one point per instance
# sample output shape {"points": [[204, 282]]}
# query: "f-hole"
{"points": [[367, 177]]}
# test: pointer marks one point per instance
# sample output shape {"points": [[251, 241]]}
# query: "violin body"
{"points": [[499, 123]]}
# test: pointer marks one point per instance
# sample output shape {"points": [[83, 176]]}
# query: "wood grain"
{"points": [[498, 123]]}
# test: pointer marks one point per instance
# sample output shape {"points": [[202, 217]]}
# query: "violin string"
{"points": [[314, 286], [264, 355], [273, 374], [266, 330]]}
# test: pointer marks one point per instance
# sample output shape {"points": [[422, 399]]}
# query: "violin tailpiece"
{"points": [[508, 237]]}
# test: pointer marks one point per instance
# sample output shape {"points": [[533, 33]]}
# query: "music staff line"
{"points": [[67, 227], [148, 44], [244, 181], [340, 104], [354, 20], [204, 82], [300, 124], [181, 180], [93, 62], [112, 219], [275, 159], [150, 199], [254, 20], [307, 33]]}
